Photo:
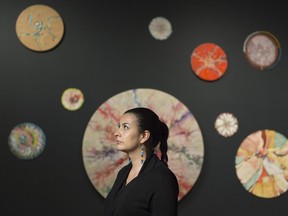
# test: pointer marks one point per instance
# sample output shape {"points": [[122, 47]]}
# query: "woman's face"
{"points": [[127, 135]]}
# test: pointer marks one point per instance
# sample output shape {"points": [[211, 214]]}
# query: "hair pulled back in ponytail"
{"points": [[159, 132], [163, 141]]}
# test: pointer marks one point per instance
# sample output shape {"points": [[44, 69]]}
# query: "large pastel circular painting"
{"points": [[262, 50], [209, 61], [27, 141], [262, 163], [39, 27], [102, 160]]}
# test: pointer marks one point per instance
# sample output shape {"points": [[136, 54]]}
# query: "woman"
{"points": [[146, 186]]}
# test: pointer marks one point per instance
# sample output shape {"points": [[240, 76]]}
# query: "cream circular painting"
{"points": [[262, 163], [102, 160], [160, 28], [72, 99]]}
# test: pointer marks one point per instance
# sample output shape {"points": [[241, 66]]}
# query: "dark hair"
{"points": [[159, 132]]}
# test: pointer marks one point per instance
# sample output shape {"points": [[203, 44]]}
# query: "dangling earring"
{"points": [[129, 159], [142, 153]]}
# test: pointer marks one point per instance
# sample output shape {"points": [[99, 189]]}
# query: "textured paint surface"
{"points": [[27, 141], [185, 144], [209, 61], [262, 163]]}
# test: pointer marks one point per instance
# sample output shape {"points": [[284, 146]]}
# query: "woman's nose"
{"points": [[116, 133]]}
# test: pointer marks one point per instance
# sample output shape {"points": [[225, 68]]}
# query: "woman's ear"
{"points": [[145, 136]]}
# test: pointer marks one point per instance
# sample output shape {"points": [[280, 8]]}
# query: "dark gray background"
{"points": [[107, 49]]}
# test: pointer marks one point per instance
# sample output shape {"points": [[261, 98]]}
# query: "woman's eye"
{"points": [[126, 127]]}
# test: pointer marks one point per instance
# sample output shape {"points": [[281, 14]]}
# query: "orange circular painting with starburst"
{"points": [[209, 61]]}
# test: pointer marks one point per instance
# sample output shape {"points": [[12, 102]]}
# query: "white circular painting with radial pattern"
{"points": [[101, 158], [160, 28], [226, 124], [27, 141]]}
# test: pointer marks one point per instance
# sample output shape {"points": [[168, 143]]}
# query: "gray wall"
{"points": [[107, 49]]}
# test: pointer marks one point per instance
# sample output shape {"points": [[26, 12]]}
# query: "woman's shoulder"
{"points": [[162, 171], [164, 178]]}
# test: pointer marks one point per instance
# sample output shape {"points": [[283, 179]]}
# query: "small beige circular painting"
{"points": [[160, 28], [101, 158], [262, 50], [39, 28], [72, 99], [262, 163]]}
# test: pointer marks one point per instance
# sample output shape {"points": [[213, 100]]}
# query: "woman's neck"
{"points": [[136, 159]]}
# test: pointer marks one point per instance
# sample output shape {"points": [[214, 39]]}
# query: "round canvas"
{"points": [[262, 50], [39, 27], [72, 99], [226, 124], [262, 163], [27, 141], [160, 28], [101, 158], [209, 61]]}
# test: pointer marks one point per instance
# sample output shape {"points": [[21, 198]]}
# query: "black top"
{"points": [[154, 192]]}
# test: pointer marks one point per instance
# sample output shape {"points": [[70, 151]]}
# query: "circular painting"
{"points": [[226, 124], [27, 141], [209, 61], [101, 158], [262, 50], [160, 28], [262, 163], [39, 27], [72, 99]]}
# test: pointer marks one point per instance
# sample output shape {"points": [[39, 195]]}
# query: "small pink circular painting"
{"points": [[102, 160], [262, 163], [262, 50]]}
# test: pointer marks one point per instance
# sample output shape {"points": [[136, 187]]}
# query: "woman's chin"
{"points": [[120, 148]]}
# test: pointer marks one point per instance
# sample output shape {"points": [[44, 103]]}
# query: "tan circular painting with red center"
{"points": [[209, 61]]}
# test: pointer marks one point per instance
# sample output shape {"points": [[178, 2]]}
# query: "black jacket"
{"points": [[154, 192]]}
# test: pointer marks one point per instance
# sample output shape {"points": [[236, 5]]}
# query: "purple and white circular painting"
{"points": [[262, 50], [101, 158]]}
